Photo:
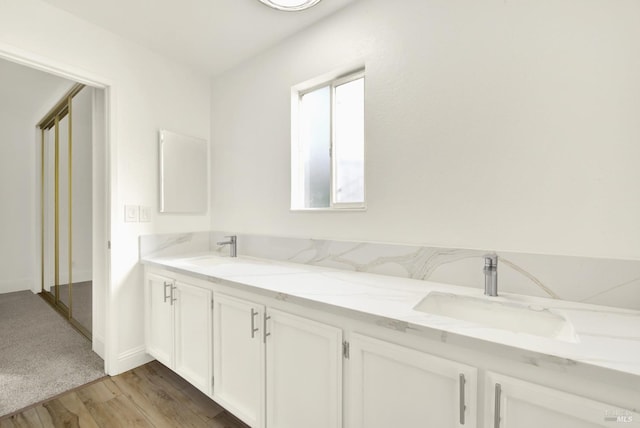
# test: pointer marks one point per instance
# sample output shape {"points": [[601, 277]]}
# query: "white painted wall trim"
{"points": [[98, 345], [16, 284], [131, 359]]}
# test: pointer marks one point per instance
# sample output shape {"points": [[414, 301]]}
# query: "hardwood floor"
{"points": [[148, 396]]}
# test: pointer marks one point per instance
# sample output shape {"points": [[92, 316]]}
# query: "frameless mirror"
{"points": [[183, 173]]}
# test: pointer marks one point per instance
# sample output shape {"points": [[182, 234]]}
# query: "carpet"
{"points": [[41, 355]]}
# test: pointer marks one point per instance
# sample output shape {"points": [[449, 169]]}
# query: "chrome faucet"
{"points": [[490, 274], [232, 243]]}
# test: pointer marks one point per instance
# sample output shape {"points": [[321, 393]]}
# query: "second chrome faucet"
{"points": [[491, 275], [232, 243]]}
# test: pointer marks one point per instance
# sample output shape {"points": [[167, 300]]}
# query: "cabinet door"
{"points": [[193, 339], [394, 386], [238, 360], [159, 318], [514, 403], [303, 373]]}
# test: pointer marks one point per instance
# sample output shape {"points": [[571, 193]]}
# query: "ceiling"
{"points": [[211, 35]]}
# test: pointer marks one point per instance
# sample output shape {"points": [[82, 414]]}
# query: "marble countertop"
{"points": [[606, 337]]}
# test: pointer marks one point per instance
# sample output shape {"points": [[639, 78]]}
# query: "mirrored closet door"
{"points": [[66, 201]]}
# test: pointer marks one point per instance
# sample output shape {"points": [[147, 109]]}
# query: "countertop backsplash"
{"points": [[608, 282]]}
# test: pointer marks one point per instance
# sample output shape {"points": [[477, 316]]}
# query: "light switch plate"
{"points": [[131, 213], [145, 214]]}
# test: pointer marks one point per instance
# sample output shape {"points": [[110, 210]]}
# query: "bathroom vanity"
{"points": [[289, 345]]}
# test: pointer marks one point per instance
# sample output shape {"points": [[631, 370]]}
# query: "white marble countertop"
{"points": [[606, 337]]}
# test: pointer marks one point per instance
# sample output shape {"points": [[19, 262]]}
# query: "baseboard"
{"points": [[11, 285], [129, 360], [98, 345]]}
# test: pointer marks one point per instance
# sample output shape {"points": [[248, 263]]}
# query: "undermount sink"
{"points": [[500, 313]]}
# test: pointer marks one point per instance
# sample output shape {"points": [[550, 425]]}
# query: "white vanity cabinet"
{"points": [[303, 372], [259, 355], [515, 403], [395, 386], [276, 370], [159, 318], [178, 328], [238, 358]]}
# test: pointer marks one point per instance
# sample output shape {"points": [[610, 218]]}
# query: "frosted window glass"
{"points": [[349, 142], [315, 140]]}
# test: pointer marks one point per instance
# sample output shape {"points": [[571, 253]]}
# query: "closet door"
{"points": [[81, 220], [63, 203], [66, 205], [48, 214]]}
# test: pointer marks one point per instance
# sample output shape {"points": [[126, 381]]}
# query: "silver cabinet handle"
{"points": [[166, 284], [496, 409], [463, 406], [254, 313], [173, 299], [264, 329]]}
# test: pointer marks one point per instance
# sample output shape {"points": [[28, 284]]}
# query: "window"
{"points": [[328, 145]]}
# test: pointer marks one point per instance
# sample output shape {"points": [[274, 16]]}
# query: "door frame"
{"points": [[104, 181]]}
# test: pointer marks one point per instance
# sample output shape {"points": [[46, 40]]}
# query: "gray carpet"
{"points": [[41, 355]]}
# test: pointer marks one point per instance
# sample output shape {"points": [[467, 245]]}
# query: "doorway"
{"points": [[66, 201]]}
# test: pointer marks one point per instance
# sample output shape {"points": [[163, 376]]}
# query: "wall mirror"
{"points": [[183, 173]]}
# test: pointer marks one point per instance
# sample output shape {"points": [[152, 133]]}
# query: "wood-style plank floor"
{"points": [[148, 396]]}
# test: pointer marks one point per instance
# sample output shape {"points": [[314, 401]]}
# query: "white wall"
{"points": [[146, 92], [491, 124], [25, 96], [16, 248]]}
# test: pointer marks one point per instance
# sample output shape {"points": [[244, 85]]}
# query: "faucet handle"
{"points": [[491, 259]]}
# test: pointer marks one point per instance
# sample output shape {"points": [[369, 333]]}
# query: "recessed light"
{"points": [[290, 5]]}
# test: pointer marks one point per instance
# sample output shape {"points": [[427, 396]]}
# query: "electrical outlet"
{"points": [[131, 213], [145, 214]]}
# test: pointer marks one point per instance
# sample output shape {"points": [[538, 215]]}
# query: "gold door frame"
{"points": [[51, 120]]}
